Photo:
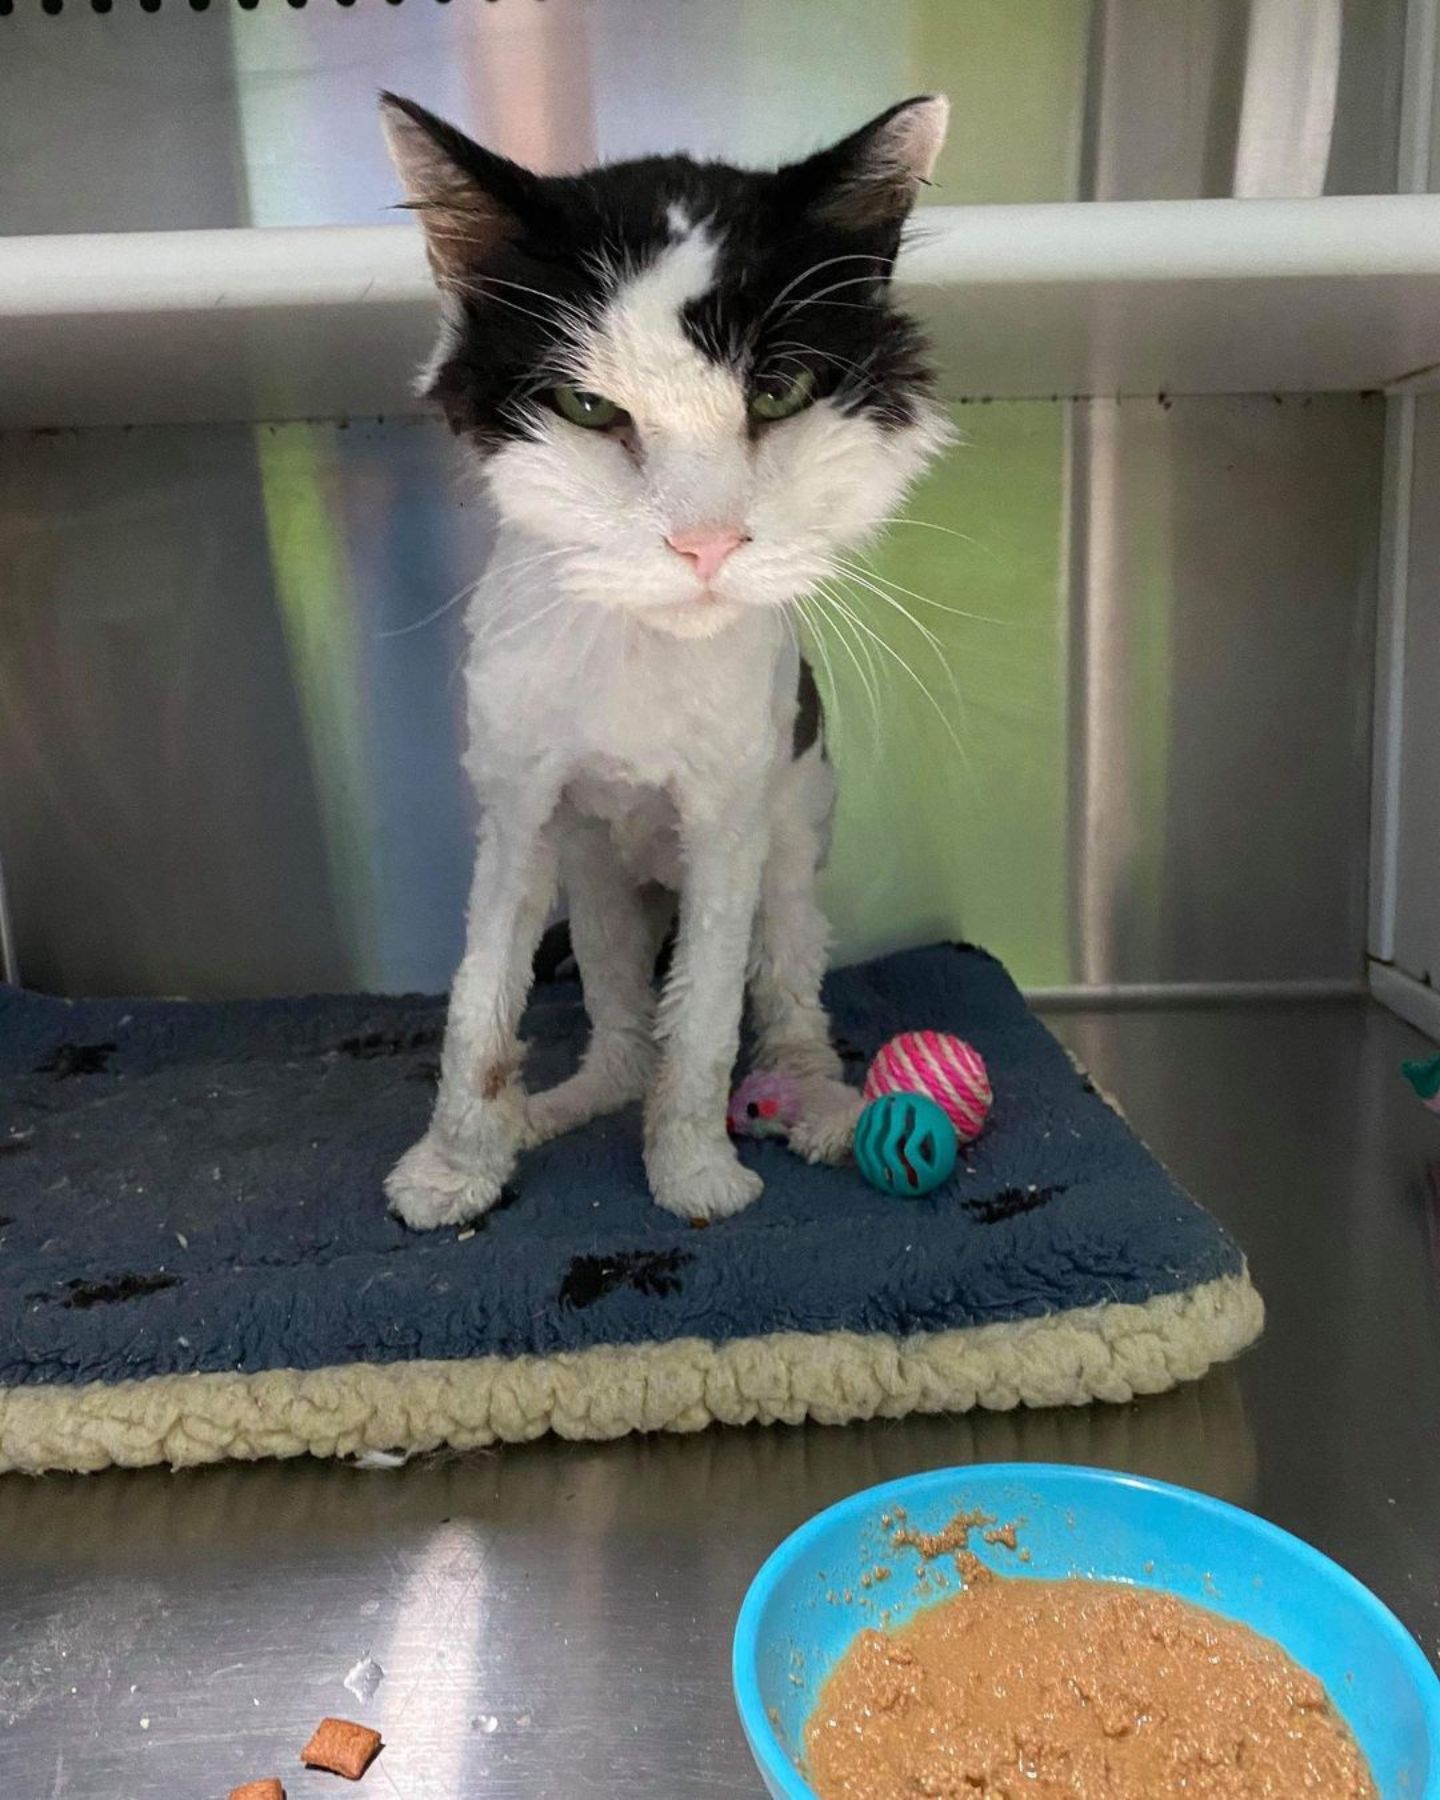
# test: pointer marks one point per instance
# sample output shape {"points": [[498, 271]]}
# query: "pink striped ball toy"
{"points": [[946, 1068]]}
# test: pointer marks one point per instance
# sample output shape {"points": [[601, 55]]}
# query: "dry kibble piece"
{"points": [[342, 1748], [259, 1790]]}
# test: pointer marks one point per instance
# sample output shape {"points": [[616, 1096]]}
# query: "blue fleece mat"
{"points": [[197, 1187]]}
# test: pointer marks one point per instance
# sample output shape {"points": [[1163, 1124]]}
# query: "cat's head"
{"points": [[689, 380]]}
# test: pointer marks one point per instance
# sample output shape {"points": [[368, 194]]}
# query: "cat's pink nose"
{"points": [[707, 547]]}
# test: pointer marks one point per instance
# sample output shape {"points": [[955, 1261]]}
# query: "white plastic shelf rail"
{"points": [[1098, 298]]}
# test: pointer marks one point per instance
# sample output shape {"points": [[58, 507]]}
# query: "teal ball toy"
{"points": [[905, 1145]]}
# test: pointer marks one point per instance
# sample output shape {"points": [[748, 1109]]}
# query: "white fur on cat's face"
{"points": [[800, 490]]}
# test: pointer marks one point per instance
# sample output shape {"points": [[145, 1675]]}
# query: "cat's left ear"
{"points": [[870, 179], [468, 199]]}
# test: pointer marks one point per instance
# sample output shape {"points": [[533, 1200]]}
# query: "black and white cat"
{"points": [[688, 389]]}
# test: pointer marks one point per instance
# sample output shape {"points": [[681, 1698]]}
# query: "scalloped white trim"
{"points": [[1110, 1352]]}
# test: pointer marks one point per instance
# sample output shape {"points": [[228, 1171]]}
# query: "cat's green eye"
{"points": [[581, 407], [779, 399]]}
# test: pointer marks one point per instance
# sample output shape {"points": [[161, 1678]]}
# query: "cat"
{"points": [[688, 389]]}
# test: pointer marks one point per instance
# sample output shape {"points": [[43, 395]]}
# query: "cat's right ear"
{"points": [[468, 199]]}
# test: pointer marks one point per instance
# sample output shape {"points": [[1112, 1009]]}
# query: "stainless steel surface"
{"points": [[554, 1621], [9, 961], [1417, 719], [1216, 716], [130, 120], [1245, 97], [228, 707], [228, 726]]}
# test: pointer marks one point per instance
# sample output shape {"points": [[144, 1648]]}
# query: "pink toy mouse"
{"points": [[765, 1105]]}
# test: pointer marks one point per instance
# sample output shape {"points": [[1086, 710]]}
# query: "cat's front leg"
{"points": [[689, 1158], [456, 1171]]}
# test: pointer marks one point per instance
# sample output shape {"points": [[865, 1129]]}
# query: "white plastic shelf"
{"points": [[1101, 298]]}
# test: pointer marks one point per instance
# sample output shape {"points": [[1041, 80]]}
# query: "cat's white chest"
{"points": [[630, 726], [644, 820], [623, 712]]}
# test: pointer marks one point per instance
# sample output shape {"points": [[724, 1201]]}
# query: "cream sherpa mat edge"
{"points": [[1112, 1353]]}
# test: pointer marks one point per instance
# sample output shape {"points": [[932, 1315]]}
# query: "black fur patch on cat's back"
{"points": [[809, 714]]}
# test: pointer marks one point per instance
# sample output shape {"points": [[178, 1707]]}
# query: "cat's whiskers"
{"points": [[501, 579], [822, 298], [829, 262], [483, 286], [527, 562], [795, 344], [836, 600], [512, 599], [887, 590], [858, 380], [958, 612], [398, 631], [868, 673], [949, 530], [495, 615], [936, 645], [860, 576], [839, 604], [525, 312], [491, 642], [849, 572], [930, 525], [850, 305], [814, 626]]}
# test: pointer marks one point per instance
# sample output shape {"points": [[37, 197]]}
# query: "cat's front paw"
{"points": [[695, 1173], [435, 1183], [824, 1128]]}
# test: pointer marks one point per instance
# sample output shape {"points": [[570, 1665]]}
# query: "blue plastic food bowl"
{"points": [[796, 1622]]}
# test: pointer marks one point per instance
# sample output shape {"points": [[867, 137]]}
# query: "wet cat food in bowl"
{"points": [[1062, 1688], [1363, 1696]]}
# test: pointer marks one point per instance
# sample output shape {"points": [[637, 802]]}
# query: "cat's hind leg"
{"points": [[615, 930], [787, 967]]}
